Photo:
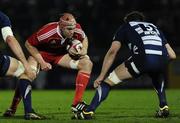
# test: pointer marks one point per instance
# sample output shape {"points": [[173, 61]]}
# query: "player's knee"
{"points": [[113, 79], [35, 70], [85, 63]]}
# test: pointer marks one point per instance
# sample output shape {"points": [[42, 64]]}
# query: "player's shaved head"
{"points": [[67, 19], [134, 16]]}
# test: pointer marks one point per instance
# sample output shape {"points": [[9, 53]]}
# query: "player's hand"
{"points": [[83, 52], [98, 81], [45, 66], [73, 52], [29, 72]]}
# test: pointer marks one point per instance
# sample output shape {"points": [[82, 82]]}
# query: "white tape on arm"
{"points": [[6, 31]]}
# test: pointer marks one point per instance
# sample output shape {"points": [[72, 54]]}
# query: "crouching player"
{"points": [[48, 47], [150, 55]]}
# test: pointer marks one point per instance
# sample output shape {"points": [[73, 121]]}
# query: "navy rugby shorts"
{"points": [[137, 66], [4, 64]]}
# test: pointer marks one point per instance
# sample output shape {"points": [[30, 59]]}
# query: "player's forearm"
{"points": [[34, 52], [171, 53], [16, 48], [107, 63], [110, 56]]}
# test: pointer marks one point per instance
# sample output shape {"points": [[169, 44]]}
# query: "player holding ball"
{"points": [[61, 43]]}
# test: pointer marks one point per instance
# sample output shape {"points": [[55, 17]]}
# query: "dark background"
{"points": [[99, 19]]}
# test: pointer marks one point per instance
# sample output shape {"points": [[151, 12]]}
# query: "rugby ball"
{"points": [[74, 47]]}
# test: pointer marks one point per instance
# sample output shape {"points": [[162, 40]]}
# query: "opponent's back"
{"points": [[143, 39], [147, 38], [146, 42]]}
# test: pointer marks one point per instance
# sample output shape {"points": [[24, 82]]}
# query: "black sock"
{"points": [[101, 93], [25, 90]]}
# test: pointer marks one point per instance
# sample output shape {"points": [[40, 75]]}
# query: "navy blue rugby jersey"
{"points": [[4, 20], [143, 39]]}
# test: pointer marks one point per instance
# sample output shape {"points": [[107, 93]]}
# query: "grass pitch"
{"points": [[122, 106]]}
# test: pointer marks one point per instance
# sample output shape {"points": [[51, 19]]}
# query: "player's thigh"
{"points": [[13, 66], [122, 72], [85, 64], [119, 74], [67, 62]]}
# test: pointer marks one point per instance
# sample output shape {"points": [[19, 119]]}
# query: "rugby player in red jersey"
{"points": [[47, 47]]}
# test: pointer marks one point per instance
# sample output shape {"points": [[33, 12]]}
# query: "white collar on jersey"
{"points": [[59, 33]]}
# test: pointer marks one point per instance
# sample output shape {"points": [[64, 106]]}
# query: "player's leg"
{"points": [[124, 71], [25, 85], [117, 76], [158, 83], [84, 67], [12, 67], [84, 70], [13, 107]]}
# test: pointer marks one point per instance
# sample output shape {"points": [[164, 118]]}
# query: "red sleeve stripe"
{"points": [[47, 34]]}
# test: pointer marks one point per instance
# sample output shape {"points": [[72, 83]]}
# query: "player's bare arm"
{"points": [[35, 53], [17, 50], [9, 38], [171, 53], [108, 60]]}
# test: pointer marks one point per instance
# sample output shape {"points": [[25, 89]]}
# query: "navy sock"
{"points": [[158, 84], [25, 90], [101, 93], [161, 94]]}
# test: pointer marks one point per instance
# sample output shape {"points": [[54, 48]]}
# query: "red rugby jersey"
{"points": [[50, 39]]}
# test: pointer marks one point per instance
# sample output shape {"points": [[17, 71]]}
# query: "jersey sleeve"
{"points": [[79, 33], [5, 25], [120, 34], [4, 20]]}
